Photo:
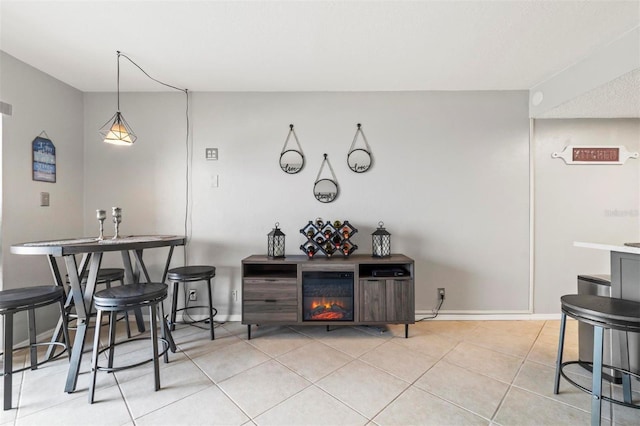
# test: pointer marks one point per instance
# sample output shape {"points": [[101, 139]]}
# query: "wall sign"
{"points": [[44, 160], [595, 154]]}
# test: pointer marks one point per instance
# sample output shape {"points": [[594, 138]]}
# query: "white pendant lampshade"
{"points": [[117, 131]]}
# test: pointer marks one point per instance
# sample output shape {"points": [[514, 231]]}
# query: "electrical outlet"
{"points": [[441, 293], [193, 295], [234, 295]]}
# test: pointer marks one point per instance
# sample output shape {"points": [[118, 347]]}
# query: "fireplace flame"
{"points": [[327, 309], [326, 303]]}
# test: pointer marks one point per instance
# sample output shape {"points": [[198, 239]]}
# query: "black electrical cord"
{"points": [[437, 311], [189, 153], [192, 321]]}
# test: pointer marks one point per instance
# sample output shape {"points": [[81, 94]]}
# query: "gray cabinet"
{"points": [[387, 300], [383, 289]]}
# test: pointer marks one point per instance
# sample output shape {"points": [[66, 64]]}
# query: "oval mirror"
{"points": [[359, 160], [291, 161], [325, 190]]}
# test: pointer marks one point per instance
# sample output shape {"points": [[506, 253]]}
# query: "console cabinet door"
{"points": [[387, 300], [400, 301], [373, 295]]}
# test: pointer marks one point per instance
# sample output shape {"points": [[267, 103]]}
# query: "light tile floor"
{"points": [[445, 373]]}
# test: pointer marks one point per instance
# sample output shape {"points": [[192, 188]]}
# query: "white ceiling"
{"points": [[311, 45]]}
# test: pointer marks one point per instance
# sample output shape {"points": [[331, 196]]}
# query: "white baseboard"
{"points": [[487, 316]]}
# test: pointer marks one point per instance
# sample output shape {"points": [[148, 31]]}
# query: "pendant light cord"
{"points": [[118, 84], [189, 153]]}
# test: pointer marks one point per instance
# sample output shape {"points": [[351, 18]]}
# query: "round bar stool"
{"points": [[187, 274], [105, 277], [602, 313], [116, 299], [28, 299]]}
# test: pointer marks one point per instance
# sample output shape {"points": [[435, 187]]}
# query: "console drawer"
{"points": [[269, 310], [263, 290]]}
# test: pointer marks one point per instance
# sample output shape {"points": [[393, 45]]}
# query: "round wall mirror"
{"points": [[359, 160], [291, 161], [325, 190]]}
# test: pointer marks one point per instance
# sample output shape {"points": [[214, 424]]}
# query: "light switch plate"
{"points": [[44, 199], [211, 153]]}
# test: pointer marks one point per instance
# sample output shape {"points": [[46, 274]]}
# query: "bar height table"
{"points": [[92, 250]]}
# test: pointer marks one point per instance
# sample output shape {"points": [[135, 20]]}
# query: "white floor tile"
{"points": [[446, 372]]}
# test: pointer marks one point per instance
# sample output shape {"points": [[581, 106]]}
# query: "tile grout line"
{"points": [[515, 376]]}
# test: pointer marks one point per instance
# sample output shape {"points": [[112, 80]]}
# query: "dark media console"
{"points": [[357, 290]]}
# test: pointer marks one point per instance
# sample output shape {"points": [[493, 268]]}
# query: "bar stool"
{"points": [[187, 274], [105, 277], [116, 299], [602, 313], [28, 299]]}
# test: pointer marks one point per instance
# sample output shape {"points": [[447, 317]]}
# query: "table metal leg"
{"points": [[166, 265], [132, 278], [76, 357], [57, 333], [81, 300], [140, 265]]}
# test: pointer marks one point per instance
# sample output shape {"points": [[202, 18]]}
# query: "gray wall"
{"points": [[592, 203], [450, 181], [39, 102]]}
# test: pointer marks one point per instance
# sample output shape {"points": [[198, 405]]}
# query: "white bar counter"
{"points": [[620, 248], [625, 284]]}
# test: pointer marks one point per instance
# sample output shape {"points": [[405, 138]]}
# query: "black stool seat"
{"points": [[108, 274], [185, 274], [191, 273], [607, 312], [105, 276], [26, 298], [129, 296], [602, 313]]}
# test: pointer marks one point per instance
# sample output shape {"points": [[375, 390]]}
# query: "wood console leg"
{"points": [[406, 331], [248, 331]]}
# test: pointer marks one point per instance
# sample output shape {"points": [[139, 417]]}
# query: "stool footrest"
{"points": [[44, 361], [164, 341], [589, 391]]}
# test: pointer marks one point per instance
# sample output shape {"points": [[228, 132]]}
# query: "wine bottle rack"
{"points": [[328, 238]]}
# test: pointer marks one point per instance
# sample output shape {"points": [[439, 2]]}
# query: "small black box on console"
{"points": [[389, 272]]}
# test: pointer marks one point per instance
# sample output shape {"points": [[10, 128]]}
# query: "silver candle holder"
{"points": [[101, 215], [116, 212]]}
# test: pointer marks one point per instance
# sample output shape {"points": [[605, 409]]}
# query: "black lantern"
{"points": [[275, 242], [381, 241]]}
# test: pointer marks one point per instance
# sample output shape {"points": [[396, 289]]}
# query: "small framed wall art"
{"points": [[574, 154], [44, 159], [359, 158], [291, 159]]}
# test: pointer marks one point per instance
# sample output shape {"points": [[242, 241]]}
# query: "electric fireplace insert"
{"points": [[327, 295]]}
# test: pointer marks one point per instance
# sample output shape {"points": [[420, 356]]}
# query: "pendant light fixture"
{"points": [[117, 131]]}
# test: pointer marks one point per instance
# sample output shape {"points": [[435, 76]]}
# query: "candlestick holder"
{"points": [[117, 218], [101, 215]]}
